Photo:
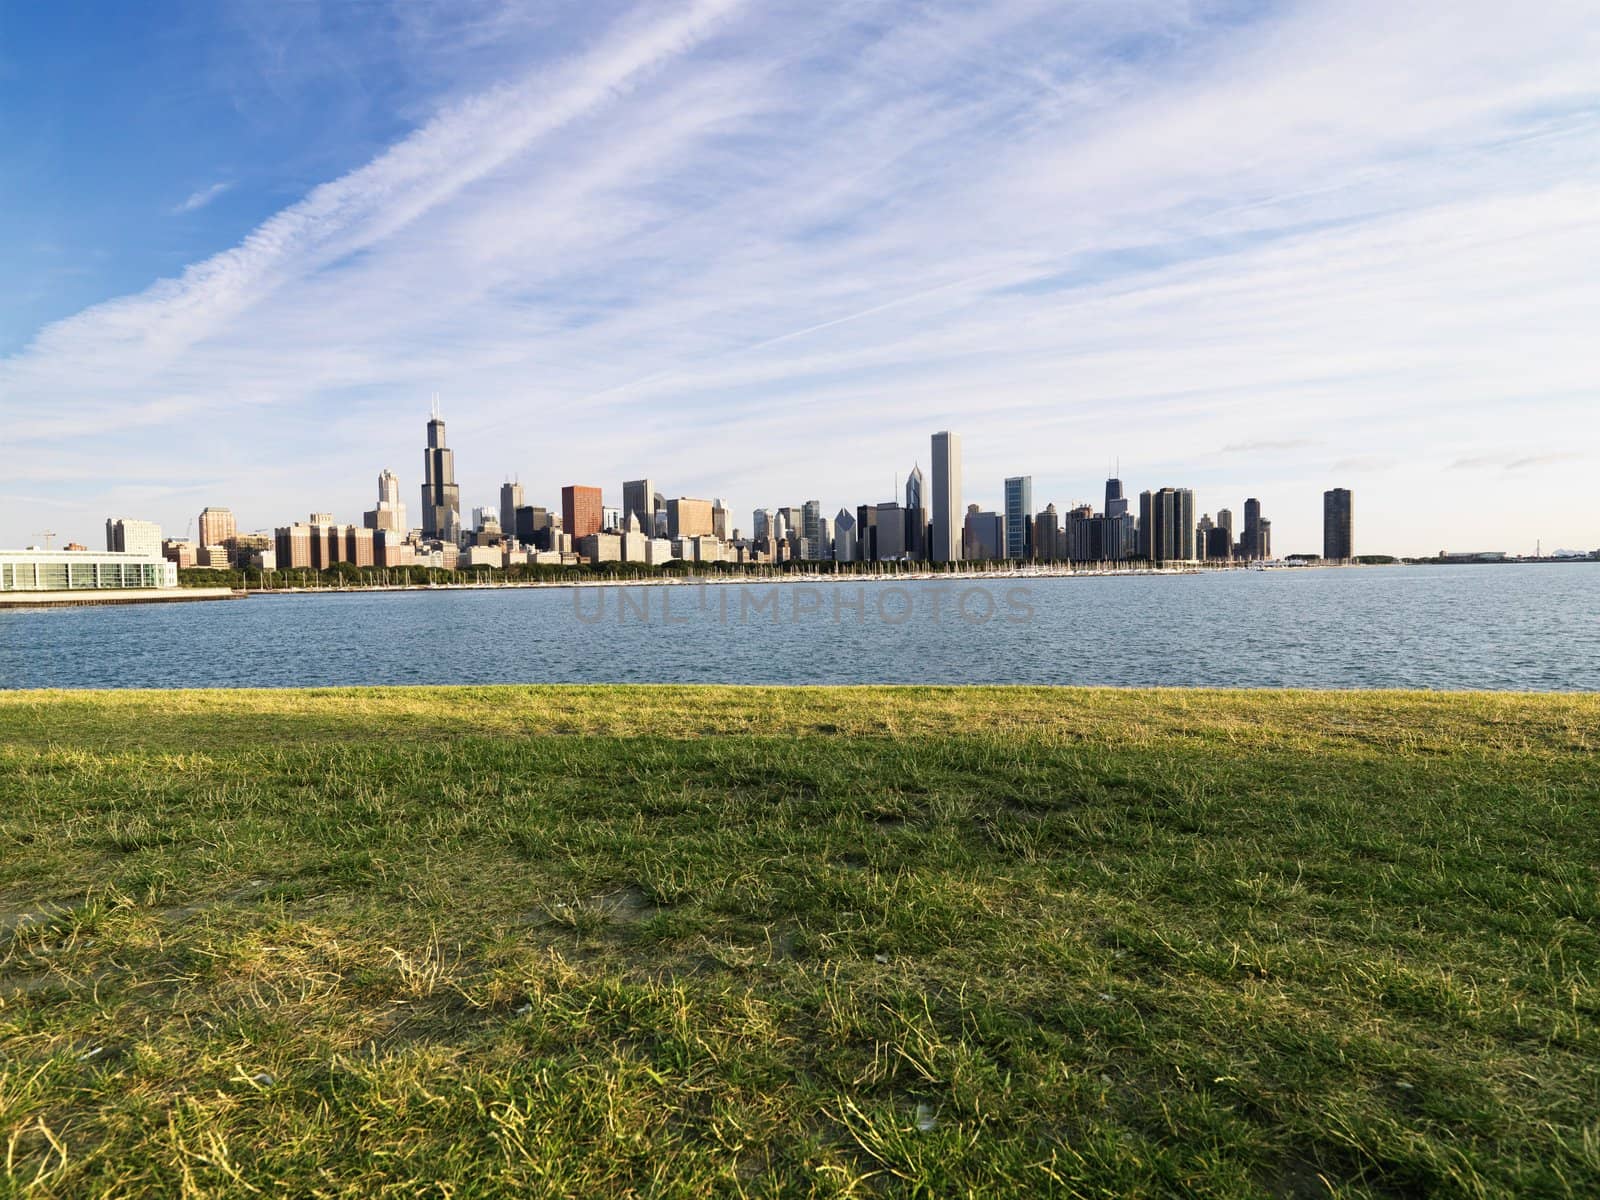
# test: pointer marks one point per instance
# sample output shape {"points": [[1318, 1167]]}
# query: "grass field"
{"points": [[717, 941]]}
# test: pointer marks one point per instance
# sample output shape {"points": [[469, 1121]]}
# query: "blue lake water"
{"points": [[1519, 627]]}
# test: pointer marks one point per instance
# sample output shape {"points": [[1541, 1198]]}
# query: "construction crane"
{"points": [[48, 535]]}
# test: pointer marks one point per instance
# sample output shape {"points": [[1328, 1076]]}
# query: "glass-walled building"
{"points": [[74, 570]]}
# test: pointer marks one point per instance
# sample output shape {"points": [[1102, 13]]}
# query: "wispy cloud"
{"points": [[1513, 462], [198, 200], [761, 252]]}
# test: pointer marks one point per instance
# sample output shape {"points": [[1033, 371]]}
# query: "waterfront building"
{"points": [[1338, 525], [844, 537], [1167, 525], [1116, 502], [812, 544], [687, 517], [638, 500], [77, 570], [946, 520], [1250, 547], [760, 525], [581, 511], [217, 527], [600, 547], [889, 532], [390, 548], [179, 552], [133, 537], [635, 545], [983, 535], [441, 497], [359, 547], [719, 520], [916, 515], [1224, 530], [480, 556], [215, 558], [246, 546], [391, 511], [1019, 516], [294, 547], [510, 501], [1047, 535]]}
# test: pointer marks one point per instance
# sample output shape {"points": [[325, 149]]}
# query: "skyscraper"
{"points": [[1167, 525], [1116, 502], [638, 498], [1338, 525], [1019, 516], [844, 537], [581, 511], [1047, 535], [1250, 540], [217, 527], [916, 516], [390, 514], [947, 511], [760, 524], [690, 518], [133, 537], [510, 501], [441, 498]]}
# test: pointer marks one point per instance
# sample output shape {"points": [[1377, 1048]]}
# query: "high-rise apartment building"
{"points": [[1167, 525], [1250, 547], [217, 527], [1019, 516], [441, 498], [581, 511], [1338, 525], [946, 512], [133, 537]]}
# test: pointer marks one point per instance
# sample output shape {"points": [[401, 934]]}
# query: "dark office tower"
{"points": [[947, 512], [1338, 525], [441, 498], [1047, 535], [1019, 515], [1250, 539], [1116, 502], [510, 501], [916, 516], [638, 499], [1264, 537], [581, 511]]}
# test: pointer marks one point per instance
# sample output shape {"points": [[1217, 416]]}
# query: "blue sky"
{"points": [[762, 250]]}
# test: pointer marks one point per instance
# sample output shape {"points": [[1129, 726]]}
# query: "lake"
{"points": [[1513, 627]]}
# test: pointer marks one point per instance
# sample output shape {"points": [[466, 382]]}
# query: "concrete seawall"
{"points": [[93, 596]]}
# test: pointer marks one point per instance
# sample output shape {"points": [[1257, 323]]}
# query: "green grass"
{"points": [[692, 941]]}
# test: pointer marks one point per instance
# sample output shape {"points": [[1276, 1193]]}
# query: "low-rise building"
{"points": [[74, 570]]}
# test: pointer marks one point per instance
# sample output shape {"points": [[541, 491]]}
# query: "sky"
{"points": [[761, 251]]}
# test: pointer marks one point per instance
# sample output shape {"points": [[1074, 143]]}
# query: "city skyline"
{"points": [[1243, 248]]}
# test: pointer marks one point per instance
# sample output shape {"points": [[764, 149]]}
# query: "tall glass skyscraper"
{"points": [[1019, 515]]}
